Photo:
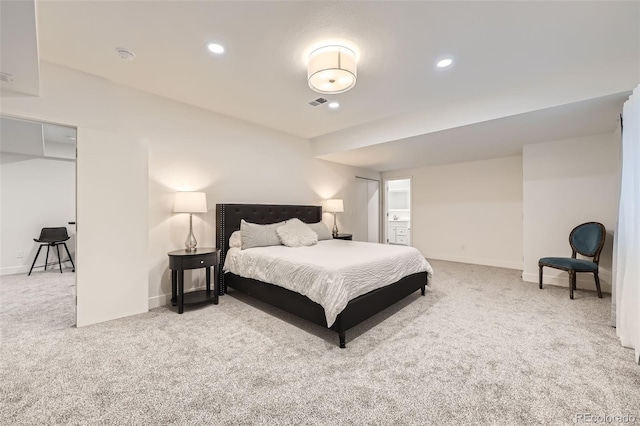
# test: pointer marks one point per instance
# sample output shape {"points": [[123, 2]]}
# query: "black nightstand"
{"points": [[179, 260], [343, 237]]}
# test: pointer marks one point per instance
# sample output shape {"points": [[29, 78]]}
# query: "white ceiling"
{"points": [[59, 134], [490, 139], [21, 137], [510, 58], [37, 139], [19, 52]]}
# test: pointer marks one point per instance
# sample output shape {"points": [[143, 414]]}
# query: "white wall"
{"points": [[35, 193], [112, 275], [190, 149], [567, 183], [468, 212]]}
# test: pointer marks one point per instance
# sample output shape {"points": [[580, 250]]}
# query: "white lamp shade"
{"points": [[190, 202], [332, 69], [335, 206]]}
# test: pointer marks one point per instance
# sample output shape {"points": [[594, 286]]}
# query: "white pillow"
{"points": [[256, 235], [321, 229], [235, 240], [295, 233]]}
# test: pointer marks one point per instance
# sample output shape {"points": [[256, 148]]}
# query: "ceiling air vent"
{"points": [[317, 102], [7, 78]]}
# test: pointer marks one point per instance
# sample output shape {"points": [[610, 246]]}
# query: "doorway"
{"points": [[38, 175], [367, 211], [398, 211]]}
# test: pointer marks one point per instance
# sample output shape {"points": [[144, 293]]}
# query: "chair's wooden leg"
{"points": [[572, 277], [595, 275], [540, 266], [35, 258]]}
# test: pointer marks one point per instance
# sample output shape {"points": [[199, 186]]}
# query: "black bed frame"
{"points": [[228, 217]]}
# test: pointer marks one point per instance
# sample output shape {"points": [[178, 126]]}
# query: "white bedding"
{"points": [[332, 272]]}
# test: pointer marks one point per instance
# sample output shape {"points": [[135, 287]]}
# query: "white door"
{"points": [[373, 210], [111, 230], [367, 211]]}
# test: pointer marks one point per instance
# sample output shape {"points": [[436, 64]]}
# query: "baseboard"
{"points": [[165, 299], [24, 269], [13, 270], [157, 301], [475, 261], [584, 281]]}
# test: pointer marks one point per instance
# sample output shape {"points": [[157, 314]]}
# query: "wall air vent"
{"points": [[6, 77], [317, 102]]}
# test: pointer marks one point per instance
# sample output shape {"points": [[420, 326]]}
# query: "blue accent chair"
{"points": [[586, 239]]}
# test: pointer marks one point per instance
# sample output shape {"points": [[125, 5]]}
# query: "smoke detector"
{"points": [[124, 54], [6, 77]]}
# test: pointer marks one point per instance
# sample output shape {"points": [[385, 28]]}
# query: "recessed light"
{"points": [[333, 105], [443, 63], [215, 48]]}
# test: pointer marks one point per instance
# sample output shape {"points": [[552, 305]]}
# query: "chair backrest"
{"points": [[588, 240], [54, 234]]}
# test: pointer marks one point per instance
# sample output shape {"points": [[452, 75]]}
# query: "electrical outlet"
{"points": [[19, 255]]}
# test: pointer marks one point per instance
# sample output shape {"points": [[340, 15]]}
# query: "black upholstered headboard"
{"points": [[228, 217]]}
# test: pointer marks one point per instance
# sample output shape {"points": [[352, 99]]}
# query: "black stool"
{"points": [[52, 237]]}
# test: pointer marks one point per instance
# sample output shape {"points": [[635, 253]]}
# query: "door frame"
{"points": [[385, 216], [380, 206], [75, 207]]}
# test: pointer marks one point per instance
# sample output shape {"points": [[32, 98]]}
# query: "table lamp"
{"points": [[335, 206], [190, 202]]}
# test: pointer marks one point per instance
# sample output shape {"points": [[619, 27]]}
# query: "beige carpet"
{"points": [[481, 347]]}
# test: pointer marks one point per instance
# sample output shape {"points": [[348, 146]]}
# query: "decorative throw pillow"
{"points": [[235, 240], [321, 229], [256, 235], [295, 233]]}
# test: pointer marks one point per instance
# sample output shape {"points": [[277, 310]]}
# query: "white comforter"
{"points": [[332, 272]]}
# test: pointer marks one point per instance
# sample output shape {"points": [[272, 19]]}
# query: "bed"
{"points": [[358, 309]]}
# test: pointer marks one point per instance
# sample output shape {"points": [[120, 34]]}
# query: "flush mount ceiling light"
{"points": [[215, 48], [333, 105], [443, 63], [332, 69]]}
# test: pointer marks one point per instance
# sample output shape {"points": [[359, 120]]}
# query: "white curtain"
{"points": [[627, 236]]}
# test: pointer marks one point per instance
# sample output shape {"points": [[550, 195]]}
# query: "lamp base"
{"points": [[334, 232], [190, 243]]}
